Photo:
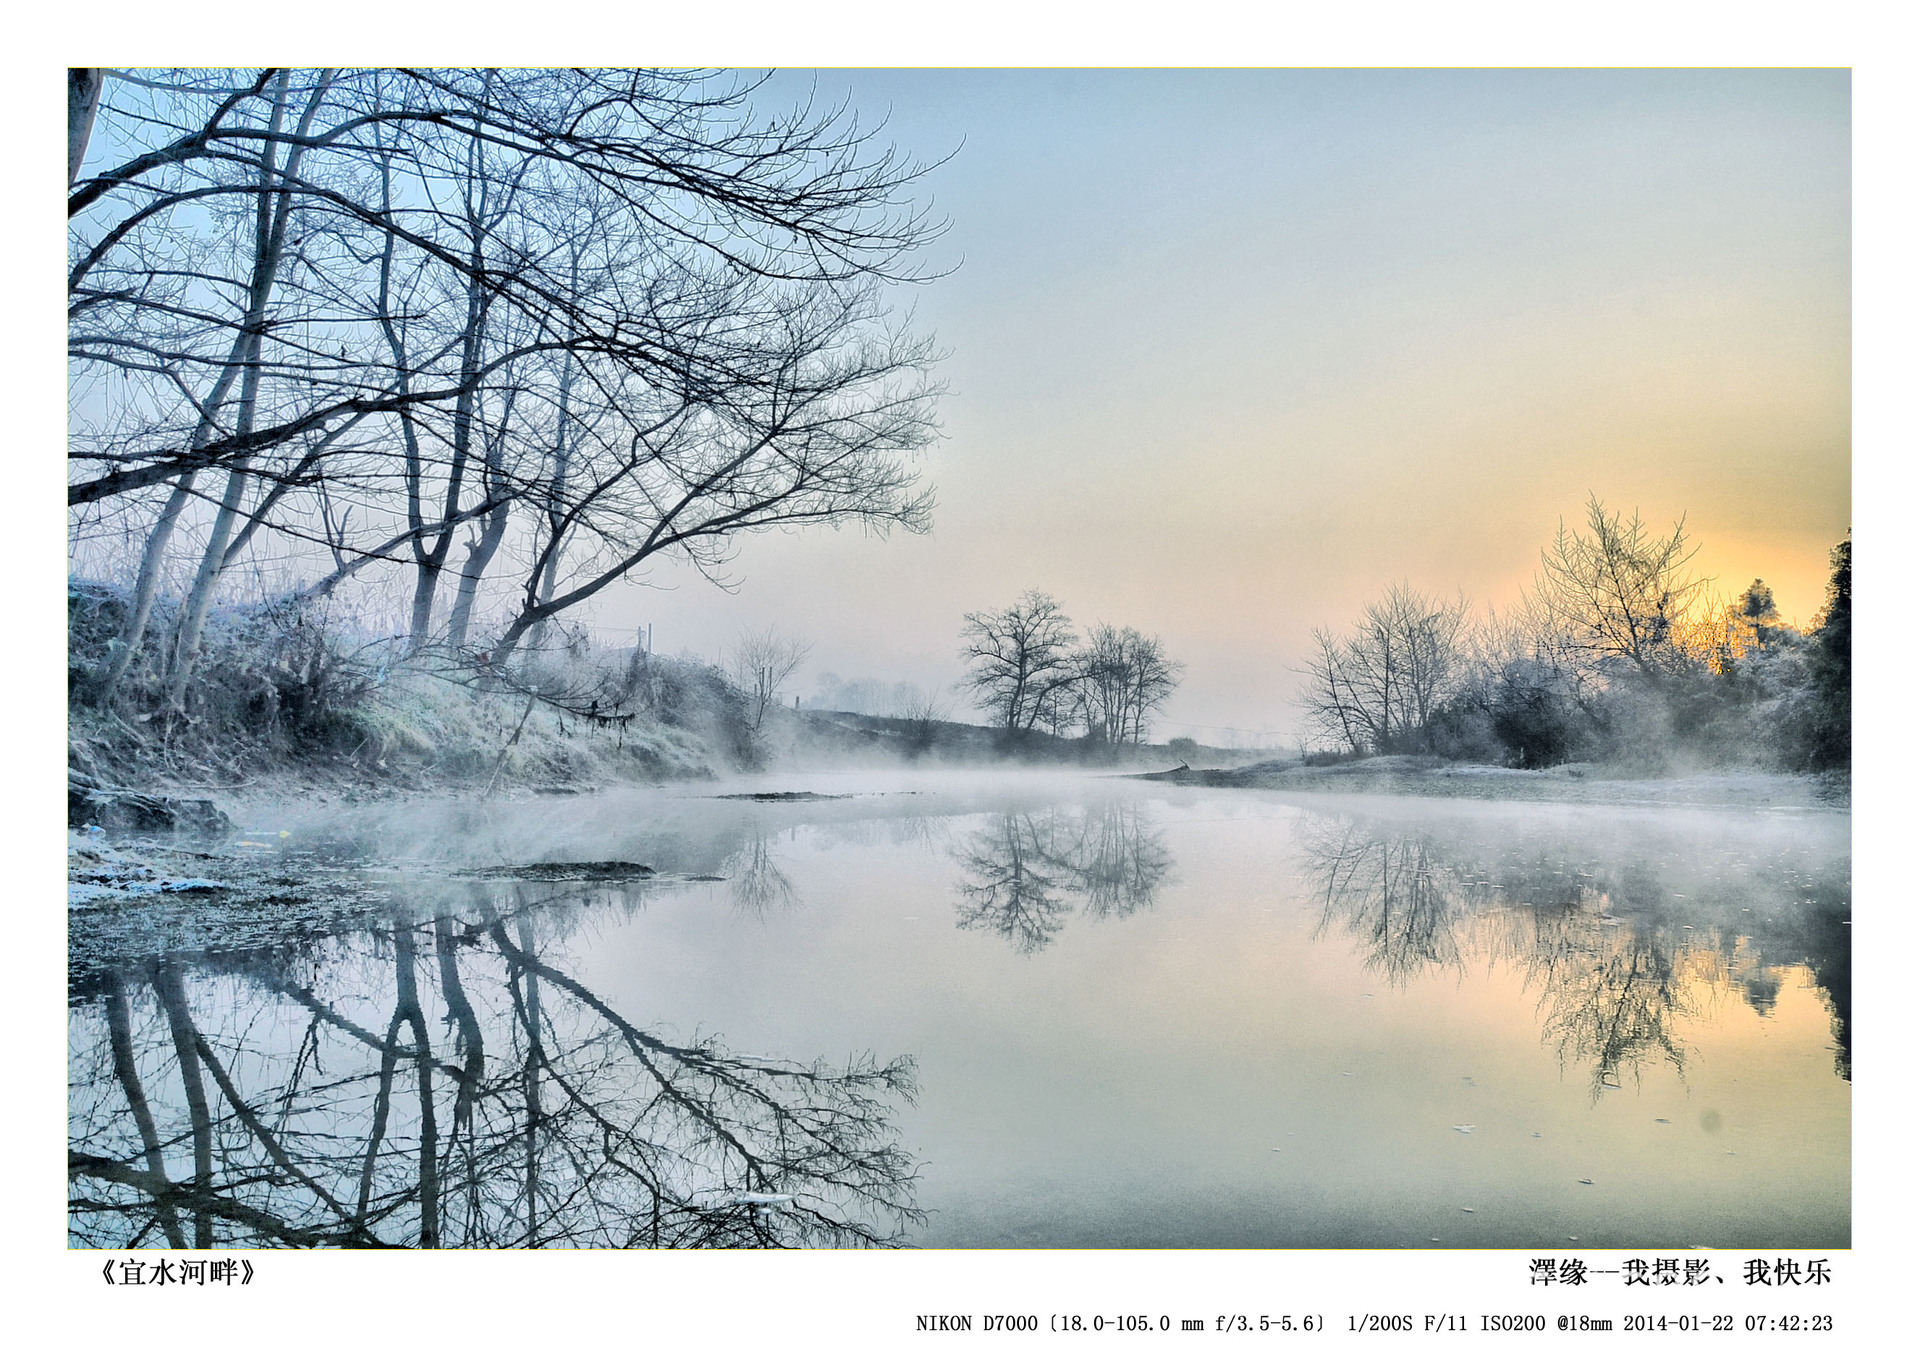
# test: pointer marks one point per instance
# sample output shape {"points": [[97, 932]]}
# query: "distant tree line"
{"points": [[1030, 670], [871, 696], [1617, 652]]}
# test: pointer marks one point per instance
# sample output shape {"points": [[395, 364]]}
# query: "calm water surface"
{"points": [[969, 1010]]}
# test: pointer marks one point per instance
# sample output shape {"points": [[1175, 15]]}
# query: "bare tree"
{"points": [[816, 432], [800, 198], [1379, 688], [924, 710], [1620, 595], [279, 170], [363, 313], [1122, 678], [760, 663], [1022, 659], [138, 334]]}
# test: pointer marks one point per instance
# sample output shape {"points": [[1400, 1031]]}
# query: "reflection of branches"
{"points": [[1615, 969], [166, 982], [1118, 862], [120, 1029], [1393, 895], [1023, 867], [581, 1129], [1016, 881], [1828, 950], [752, 1128], [1613, 1002], [758, 884]]}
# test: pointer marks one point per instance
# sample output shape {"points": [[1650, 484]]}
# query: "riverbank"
{"points": [[1570, 783], [419, 734], [413, 733]]}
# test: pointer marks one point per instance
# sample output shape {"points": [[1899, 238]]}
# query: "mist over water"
{"points": [[995, 1009]]}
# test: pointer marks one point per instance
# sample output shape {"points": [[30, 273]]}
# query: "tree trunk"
{"points": [[530, 1087], [83, 102], [480, 551], [408, 1008], [120, 1031], [193, 614], [147, 586], [382, 1105], [433, 558], [173, 996], [146, 589], [270, 233]]}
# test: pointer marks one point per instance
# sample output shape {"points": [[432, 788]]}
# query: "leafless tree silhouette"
{"points": [[349, 318], [449, 1084], [1026, 869], [1616, 972]]}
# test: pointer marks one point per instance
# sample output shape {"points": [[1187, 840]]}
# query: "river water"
{"points": [[995, 1010]]}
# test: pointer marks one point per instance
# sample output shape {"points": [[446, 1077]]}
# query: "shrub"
{"points": [[1534, 716]]}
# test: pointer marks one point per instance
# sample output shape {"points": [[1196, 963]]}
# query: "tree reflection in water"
{"points": [[1620, 960], [445, 1081], [1024, 870], [1393, 897], [755, 881]]}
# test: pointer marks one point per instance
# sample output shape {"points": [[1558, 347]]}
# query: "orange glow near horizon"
{"points": [[1230, 352]]}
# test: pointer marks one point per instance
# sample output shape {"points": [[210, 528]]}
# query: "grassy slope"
{"points": [[415, 732]]}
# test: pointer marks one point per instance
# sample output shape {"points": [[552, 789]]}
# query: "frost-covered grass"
{"points": [[304, 696], [420, 727], [412, 730]]}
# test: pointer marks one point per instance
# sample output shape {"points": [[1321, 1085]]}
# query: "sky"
{"points": [[1229, 352]]}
